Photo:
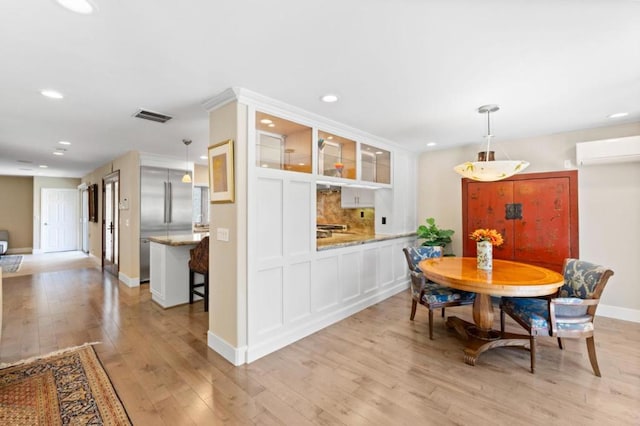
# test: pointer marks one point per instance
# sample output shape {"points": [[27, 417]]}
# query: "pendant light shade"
{"points": [[486, 169], [187, 177]]}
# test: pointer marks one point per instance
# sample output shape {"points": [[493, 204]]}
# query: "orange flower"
{"points": [[490, 235], [338, 165]]}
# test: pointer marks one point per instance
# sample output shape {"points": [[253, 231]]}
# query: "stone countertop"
{"points": [[179, 240], [339, 240]]}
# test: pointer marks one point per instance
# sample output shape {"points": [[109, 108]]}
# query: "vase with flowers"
{"points": [[339, 167], [485, 240]]}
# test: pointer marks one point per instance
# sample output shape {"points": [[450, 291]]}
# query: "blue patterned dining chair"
{"points": [[569, 314], [428, 293]]}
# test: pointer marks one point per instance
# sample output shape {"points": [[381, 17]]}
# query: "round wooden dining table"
{"points": [[507, 278]]}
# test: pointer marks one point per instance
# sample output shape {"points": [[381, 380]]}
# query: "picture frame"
{"points": [[221, 173]]}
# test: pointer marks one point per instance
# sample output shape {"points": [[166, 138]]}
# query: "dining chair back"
{"points": [[569, 314], [428, 293]]}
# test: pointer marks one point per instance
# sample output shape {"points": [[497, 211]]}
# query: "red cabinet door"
{"points": [[486, 209], [543, 235], [536, 213]]}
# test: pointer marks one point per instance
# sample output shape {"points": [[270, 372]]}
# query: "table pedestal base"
{"points": [[478, 341]]}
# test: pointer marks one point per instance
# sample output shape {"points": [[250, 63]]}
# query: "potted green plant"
{"points": [[434, 236]]}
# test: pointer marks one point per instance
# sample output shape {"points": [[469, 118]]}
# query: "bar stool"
{"points": [[199, 264]]}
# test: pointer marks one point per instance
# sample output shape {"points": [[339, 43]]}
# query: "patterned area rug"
{"points": [[68, 387], [10, 263]]}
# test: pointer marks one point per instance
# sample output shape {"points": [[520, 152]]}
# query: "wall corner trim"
{"points": [[128, 281], [236, 356]]}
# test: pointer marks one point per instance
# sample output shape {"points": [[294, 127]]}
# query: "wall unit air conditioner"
{"points": [[608, 151]]}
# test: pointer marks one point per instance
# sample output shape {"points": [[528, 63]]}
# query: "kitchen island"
{"points": [[169, 268]]}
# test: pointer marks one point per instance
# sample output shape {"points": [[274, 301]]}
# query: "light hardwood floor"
{"points": [[376, 367]]}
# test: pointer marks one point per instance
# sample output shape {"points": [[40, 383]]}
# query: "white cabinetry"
{"points": [[354, 198]]}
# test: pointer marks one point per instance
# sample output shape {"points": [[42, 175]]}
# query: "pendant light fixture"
{"points": [[187, 177], [486, 169]]}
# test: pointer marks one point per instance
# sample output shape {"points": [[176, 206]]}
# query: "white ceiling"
{"points": [[411, 71]]}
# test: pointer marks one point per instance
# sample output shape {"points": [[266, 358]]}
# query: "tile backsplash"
{"points": [[329, 210]]}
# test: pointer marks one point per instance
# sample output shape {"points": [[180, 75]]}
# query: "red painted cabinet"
{"points": [[536, 213]]}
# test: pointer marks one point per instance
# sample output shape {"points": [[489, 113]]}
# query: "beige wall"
{"points": [[48, 182], [227, 260], [200, 175], [16, 211], [609, 201], [129, 167]]}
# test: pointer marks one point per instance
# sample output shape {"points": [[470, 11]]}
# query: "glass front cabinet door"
{"points": [[337, 156], [375, 164]]}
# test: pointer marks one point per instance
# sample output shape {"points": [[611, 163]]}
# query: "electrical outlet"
{"points": [[222, 234]]}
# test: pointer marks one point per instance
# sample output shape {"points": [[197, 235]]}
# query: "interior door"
{"points": [[59, 219], [110, 222]]}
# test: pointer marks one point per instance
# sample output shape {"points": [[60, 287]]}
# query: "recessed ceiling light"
{"points": [[329, 137], [51, 94], [43, 166], [379, 153], [64, 143], [432, 144], [203, 157], [271, 125], [618, 115], [266, 121], [58, 153], [329, 98], [265, 165], [83, 7]]}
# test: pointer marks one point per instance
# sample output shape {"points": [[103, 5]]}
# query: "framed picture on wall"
{"points": [[93, 202], [221, 173]]}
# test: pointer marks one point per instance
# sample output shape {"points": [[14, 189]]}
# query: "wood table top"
{"points": [[508, 278]]}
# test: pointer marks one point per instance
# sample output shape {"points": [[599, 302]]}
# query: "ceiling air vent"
{"points": [[153, 116]]}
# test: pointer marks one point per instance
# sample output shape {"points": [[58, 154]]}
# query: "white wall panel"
{"points": [[369, 271], [297, 292], [269, 233], [350, 276], [267, 300], [298, 217], [385, 263], [400, 267], [324, 289]]}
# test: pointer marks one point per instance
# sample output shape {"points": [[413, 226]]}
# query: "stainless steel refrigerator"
{"points": [[165, 208]]}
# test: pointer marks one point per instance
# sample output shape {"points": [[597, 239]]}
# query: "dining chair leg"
{"points": [[442, 312], [501, 321], [533, 353], [591, 348], [191, 283], [560, 343], [206, 292], [430, 324], [414, 304]]}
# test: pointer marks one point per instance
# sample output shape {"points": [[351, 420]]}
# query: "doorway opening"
{"points": [[110, 222]]}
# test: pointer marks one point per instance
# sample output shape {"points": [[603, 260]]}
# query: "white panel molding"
{"points": [[266, 347], [236, 356]]}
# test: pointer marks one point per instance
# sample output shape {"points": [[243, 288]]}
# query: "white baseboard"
{"points": [[617, 312], [21, 250], [266, 347], [236, 356], [128, 281]]}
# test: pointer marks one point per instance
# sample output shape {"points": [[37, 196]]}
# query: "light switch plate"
{"points": [[222, 234]]}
